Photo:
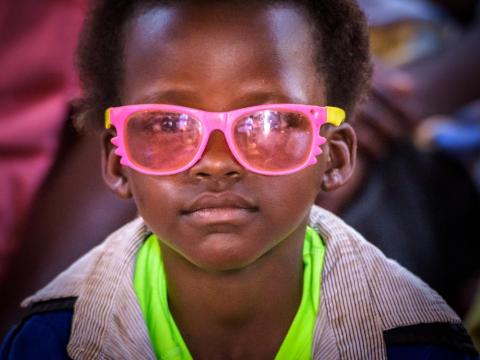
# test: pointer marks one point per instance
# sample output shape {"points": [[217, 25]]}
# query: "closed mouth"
{"points": [[219, 203]]}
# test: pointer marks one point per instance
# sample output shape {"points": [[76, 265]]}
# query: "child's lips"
{"points": [[221, 215], [220, 208]]}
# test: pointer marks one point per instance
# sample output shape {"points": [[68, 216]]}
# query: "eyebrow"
{"points": [[167, 96], [188, 96], [267, 97]]}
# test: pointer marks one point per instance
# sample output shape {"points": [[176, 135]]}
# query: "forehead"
{"points": [[218, 50]]}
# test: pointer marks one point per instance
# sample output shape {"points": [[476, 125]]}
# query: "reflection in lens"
{"points": [[271, 140], [162, 141]]}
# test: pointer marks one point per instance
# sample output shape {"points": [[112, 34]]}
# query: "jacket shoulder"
{"points": [[398, 297], [42, 334], [69, 283], [370, 299], [438, 340]]}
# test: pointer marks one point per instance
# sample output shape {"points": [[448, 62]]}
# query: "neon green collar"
{"points": [[151, 289]]}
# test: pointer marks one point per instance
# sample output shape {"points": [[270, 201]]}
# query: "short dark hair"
{"points": [[340, 32]]}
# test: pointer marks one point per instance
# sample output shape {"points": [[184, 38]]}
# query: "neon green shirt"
{"points": [[168, 344]]}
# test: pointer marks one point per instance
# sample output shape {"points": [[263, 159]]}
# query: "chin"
{"points": [[219, 253]]}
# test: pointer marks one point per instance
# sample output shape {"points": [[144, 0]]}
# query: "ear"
{"points": [[341, 156], [113, 172]]}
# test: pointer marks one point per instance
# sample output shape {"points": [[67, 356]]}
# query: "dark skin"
{"points": [[225, 278]]}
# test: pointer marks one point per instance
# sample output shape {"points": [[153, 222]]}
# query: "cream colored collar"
{"points": [[362, 295]]}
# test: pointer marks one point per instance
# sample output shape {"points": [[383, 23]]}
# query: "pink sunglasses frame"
{"points": [[317, 115]]}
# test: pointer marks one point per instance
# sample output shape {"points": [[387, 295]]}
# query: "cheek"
{"points": [[295, 193], [154, 196]]}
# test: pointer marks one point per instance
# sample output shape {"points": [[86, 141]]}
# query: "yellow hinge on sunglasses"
{"points": [[335, 116], [108, 123]]}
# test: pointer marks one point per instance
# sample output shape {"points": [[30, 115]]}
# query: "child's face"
{"points": [[217, 215]]}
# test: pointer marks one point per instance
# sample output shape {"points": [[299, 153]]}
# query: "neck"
{"points": [[231, 308]]}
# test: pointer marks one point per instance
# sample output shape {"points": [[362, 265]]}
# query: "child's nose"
{"points": [[217, 161]]}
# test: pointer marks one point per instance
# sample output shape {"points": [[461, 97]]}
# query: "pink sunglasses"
{"points": [[271, 139]]}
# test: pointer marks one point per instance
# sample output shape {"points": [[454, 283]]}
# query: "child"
{"points": [[213, 128]]}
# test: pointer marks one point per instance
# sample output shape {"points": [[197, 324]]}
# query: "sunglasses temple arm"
{"points": [[108, 123], [335, 116]]}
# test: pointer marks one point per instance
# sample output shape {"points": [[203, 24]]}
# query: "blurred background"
{"points": [[414, 194]]}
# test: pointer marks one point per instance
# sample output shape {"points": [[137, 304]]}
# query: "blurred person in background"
{"points": [[36, 83], [50, 176], [420, 205]]}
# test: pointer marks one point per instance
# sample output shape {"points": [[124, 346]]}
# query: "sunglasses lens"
{"points": [[271, 140], [162, 141]]}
